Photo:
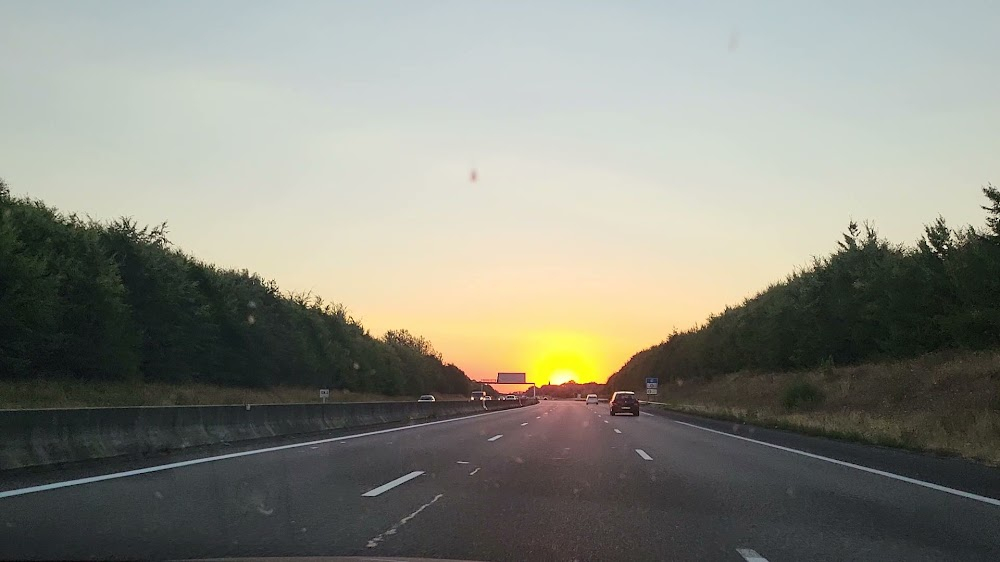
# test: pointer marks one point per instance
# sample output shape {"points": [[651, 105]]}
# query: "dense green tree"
{"points": [[868, 300], [116, 300]]}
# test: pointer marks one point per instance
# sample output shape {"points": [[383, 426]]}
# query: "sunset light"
{"points": [[559, 357], [560, 377]]}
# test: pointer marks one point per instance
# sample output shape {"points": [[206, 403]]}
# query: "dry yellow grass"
{"points": [[946, 403], [75, 394]]}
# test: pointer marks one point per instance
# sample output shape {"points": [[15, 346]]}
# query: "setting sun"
{"points": [[559, 377], [558, 357]]}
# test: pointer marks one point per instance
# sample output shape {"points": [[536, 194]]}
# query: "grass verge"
{"points": [[78, 394], [947, 404]]}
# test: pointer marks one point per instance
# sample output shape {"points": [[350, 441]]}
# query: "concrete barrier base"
{"points": [[52, 436]]}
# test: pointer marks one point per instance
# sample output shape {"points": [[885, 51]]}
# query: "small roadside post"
{"points": [[324, 393]]}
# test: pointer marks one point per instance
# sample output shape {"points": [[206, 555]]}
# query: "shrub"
{"points": [[801, 395]]}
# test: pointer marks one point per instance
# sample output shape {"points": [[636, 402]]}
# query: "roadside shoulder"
{"points": [[952, 472]]}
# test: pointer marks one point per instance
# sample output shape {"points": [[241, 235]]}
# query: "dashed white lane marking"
{"points": [[643, 454], [170, 466], [606, 421], [474, 471], [538, 418], [750, 555], [945, 489], [390, 485], [618, 431], [495, 437], [392, 530], [524, 424], [461, 462]]}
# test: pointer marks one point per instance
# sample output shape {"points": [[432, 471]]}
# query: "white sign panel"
{"points": [[651, 385], [511, 378], [324, 393], [650, 391]]}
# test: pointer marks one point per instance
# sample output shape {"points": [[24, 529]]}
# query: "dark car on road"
{"points": [[624, 401]]}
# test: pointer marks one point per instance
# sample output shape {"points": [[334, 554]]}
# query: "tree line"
{"points": [[116, 301], [869, 300]]}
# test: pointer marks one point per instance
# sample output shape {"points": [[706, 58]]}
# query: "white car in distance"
{"points": [[591, 399], [426, 398]]}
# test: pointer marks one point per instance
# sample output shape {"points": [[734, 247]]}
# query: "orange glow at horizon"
{"points": [[562, 376], [560, 356]]}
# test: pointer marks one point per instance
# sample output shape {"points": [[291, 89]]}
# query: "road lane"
{"points": [[293, 500], [566, 486], [794, 507]]}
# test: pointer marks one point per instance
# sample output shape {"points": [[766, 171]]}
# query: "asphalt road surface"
{"points": [[555, 481]]}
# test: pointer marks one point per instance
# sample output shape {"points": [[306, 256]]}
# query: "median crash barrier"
{"points": [[53, 436]]}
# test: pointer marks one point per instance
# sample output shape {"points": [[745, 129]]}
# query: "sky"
{"points": [[640, 164]]}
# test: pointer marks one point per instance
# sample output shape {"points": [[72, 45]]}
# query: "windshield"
{"points": [[500, 280]]}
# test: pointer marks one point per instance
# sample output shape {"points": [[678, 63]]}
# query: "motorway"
{"points": [[556, 481]]}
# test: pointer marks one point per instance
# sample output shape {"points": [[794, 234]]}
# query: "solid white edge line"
{"points": [[750, 555], [169, 466], [391, 484], [945, 489], [643, 454], [495, 437], [645, 413]]}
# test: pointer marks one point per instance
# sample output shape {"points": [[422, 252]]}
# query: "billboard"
{"points": [[511, 378]]}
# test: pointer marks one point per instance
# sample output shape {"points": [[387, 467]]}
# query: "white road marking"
{"points": [[645, 413], [750, 555], [643, 454], [945, 489], [474, 471], [392, 530], [524, 424], [390, 485], [139, 471], [495, 437], [538, 418], [606, 421], [461, 462], [618, 431]]}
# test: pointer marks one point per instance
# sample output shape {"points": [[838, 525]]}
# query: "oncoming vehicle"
{"points": [[478, 395], [624, 401], [426, 398], [510, 397], [487, 397], [591, 399]]}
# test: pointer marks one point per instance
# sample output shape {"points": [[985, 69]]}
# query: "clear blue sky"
{"points": [[641, 164]]}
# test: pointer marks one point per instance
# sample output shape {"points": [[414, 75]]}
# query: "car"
{"points": [[477, 395], [510, 397], [545, 397], [591, 399], [624, 401], [487, 397], [426, 398]]}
